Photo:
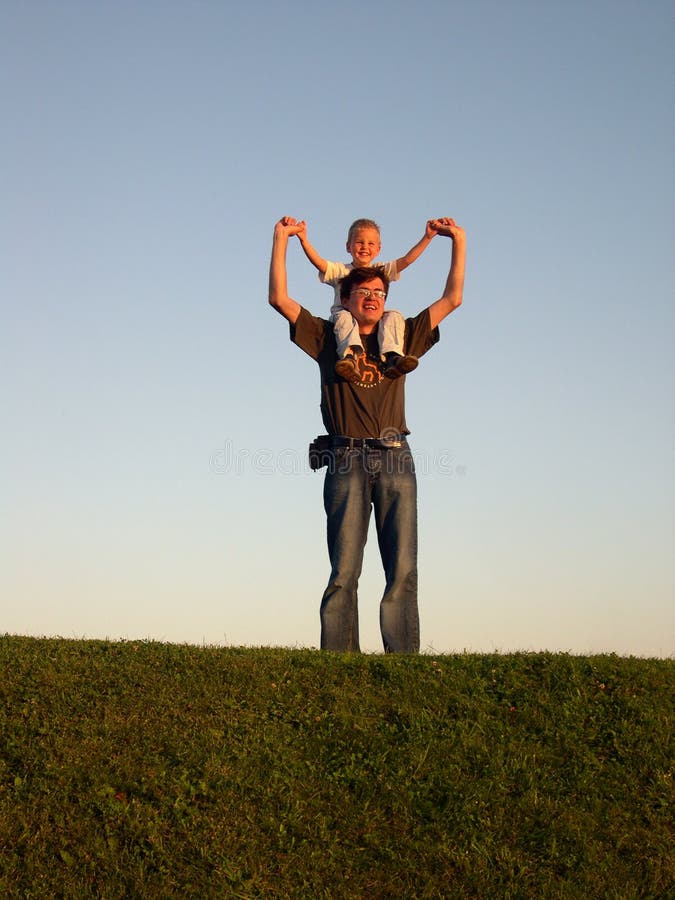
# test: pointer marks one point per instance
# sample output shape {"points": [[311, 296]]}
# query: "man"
{"points": [[369, 462]]}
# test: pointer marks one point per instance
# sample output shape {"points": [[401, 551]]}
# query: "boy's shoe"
{"points": [[397, 365], [346, 368]]}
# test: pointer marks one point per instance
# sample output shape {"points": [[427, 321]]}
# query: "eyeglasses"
{"points": [[364, 293]]}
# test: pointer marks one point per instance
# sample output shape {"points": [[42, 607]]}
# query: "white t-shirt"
{"points": [[336, 271]]}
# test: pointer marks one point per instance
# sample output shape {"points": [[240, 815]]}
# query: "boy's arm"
{"points": [[315, 258], [278, 290], [418, 249], [454, 286]]}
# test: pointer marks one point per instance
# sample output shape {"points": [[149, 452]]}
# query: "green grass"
{"points": [[142, 769]]}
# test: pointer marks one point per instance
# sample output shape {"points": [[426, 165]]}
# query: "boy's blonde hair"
{"points": [[361, 223]]}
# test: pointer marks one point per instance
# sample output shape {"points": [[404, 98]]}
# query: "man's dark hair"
{"points": [[358, 276]]}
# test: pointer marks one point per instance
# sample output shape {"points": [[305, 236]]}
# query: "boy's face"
{"points": [[364, 246]]}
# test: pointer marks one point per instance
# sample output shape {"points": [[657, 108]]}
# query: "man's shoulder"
{"points": [[308, 318], [421, 319], [420, 336], [310, 332]]}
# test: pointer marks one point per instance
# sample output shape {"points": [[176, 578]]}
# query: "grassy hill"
{"points": [[142, 769]]}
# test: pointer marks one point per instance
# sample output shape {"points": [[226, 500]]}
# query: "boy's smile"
{"points": [[364, 246]]}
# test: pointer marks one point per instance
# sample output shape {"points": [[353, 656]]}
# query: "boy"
{"points": [[363, 245]]}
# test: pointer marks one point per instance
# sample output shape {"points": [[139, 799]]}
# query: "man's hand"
{"points": [[454, 286], [289, 226], [278, 292], [448, 228]]}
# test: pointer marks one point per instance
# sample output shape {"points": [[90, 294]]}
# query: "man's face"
{"points": [[364, 246], [366, 306]]}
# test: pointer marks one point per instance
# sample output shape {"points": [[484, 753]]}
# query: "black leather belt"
{"points": [[390, 443]]}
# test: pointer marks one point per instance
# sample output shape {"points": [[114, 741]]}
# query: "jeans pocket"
{"points": [[338, 460]]}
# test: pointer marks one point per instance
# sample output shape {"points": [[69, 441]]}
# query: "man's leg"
{"points": [[395, 502], [346, 495]]}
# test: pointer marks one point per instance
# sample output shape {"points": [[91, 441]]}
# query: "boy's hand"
{"points": [[300, 229], [430, 229]]}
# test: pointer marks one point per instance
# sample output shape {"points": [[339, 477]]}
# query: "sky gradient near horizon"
{"points": [[155, 416]]}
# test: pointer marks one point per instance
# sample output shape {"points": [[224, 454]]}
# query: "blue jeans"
{"points": [[357, 480]]}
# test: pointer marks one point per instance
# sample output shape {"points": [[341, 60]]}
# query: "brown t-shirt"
{"points": [[375, 406]]}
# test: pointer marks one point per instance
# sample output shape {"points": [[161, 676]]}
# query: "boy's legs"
{"points": [[391, 333], [346, 330], [348, 341], [391, 338]]}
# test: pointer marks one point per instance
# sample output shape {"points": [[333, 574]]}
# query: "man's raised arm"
{"points": [[454, 286], [278, 291]]}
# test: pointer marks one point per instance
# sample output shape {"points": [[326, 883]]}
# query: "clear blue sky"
{"points": [[155, 416]]}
